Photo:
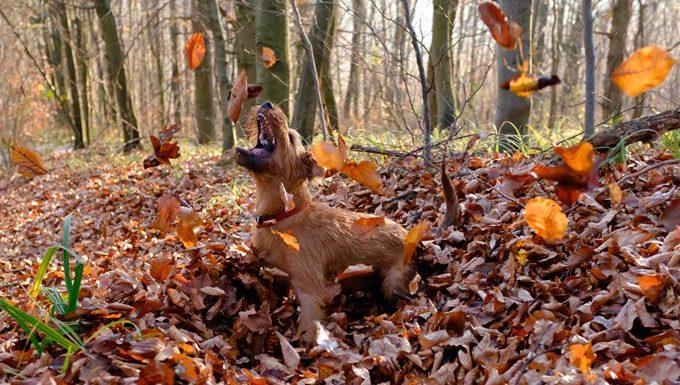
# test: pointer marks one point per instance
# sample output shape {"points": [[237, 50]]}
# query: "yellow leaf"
{"points": [[268, 57], [27, 161], [645, 69], [194, 50], [327, 155], [524, 85], [521, 257], [288, 238], [615, 193], [579, 157], [413, 237], [188, 220], [546, 218], [581, 356], [365, 172], [365, 227]]}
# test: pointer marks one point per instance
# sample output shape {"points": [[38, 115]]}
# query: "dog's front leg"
{"points": [[310, 296]]}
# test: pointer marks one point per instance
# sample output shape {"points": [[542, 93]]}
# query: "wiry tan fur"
{"points": [[327, 244]]}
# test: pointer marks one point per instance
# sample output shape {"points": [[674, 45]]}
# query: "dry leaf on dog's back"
{"points": [[413, 237], [581, 356], [288, 238], [365, 172], [670, 218], [365, 227], [194, 50], [327, 155], [645, 69], [268, 57], [651, 286], [188, 220], [546, 218], [238, 96], [28, 162], [167, 207]]}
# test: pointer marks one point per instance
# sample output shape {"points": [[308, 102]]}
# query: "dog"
{"points": [[327, 245]]}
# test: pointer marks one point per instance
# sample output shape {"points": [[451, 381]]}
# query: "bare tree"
{"points": [[441, 100], [589, 124], [621, 14], [272, 32]]}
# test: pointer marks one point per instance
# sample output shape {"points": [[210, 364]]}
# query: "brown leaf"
{"points": [[268, 57], [577, 172], [188, 220], [290, 356], [28, 162], [167, 207], [670, 218], [187, 368], [615, 193], [160, 268], [359, 270], [155, 373], [365, 172], [365, 227], [413, 237], [194, 50], [451, 200], [163, 147], [505, 33], [238, 96]]}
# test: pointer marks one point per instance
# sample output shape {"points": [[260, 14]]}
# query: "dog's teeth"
{"points": [[264, 142]]}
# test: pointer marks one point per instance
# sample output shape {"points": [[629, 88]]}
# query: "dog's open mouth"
{"points": [[266, 142]]}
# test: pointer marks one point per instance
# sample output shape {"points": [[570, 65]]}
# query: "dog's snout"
{"points": [[267, 105]]}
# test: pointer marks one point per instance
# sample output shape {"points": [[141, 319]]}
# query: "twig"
{"points": [[312, 63], [649, 168], [375, 150], [423, 83]]}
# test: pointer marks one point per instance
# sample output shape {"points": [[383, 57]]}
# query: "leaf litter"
{"points": [[492, 302]]}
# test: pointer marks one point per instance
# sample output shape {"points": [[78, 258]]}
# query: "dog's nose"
{"points": [[268, 105]]}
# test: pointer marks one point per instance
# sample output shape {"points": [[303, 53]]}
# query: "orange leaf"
{"points": [[268, 57], [288, 238], [155, 373], [188, 220], [505, 33], [238, 96], [194, 50], [160, 269], [576, 173], [651, 286], [546, 218], [27, 161], [524, 85], [615, 193], [581, 356], [365, 227], [413, 237], [327, 155], [579, 157], [645, 69], [167, 207], [365, 172], [188, 370]]}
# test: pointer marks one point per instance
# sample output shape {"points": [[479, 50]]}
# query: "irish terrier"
{"points": [[327, 245]]}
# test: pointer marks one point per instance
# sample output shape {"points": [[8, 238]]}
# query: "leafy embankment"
{"points": [[492, 303]]}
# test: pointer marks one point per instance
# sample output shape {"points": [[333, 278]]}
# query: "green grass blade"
{"points": [[74, 292], [58, 304], [42, 270], [11, 310], [65, 240], [26, 320]]}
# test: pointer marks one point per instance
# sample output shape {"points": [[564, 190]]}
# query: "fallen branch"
{"points": [[649, 168], [643, 129]]}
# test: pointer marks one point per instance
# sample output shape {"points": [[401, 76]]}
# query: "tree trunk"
{"points": [[327, 81], [439, 66], [245, 47], [116, 72], [512, 111], [617, 47], [352, 94], [174, 85], [82, 64], [305, 103], [556, 55], [204, 110], [638, 108], [589, 123], [272, 32], [228, 135]]}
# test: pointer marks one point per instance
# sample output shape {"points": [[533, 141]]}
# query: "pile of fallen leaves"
{"points": [[492, 303]]}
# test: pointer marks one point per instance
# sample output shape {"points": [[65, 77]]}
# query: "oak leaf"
{"points": [[237, 96], [546, 218], [28, 162], [645, 69], [194, 50], [506, 33], [268, 57], [413, 237]]}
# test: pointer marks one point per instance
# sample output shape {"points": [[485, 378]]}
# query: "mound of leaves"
{"points": [[492, 303]]}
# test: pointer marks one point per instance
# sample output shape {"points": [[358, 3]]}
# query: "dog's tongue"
{"points": [[260, 152]]}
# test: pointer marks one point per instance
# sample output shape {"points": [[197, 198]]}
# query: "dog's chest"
{"points": [[270, 249]]}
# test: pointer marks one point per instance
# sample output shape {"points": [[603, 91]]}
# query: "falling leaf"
{"points": [[365, 227], [268, 57], [327, 155], [670, 218], [286, 198], [579, 157], [365, 172], [194, 50], [652, 286], [546, 218], [645, 69], [581, 356], [167, 207], [413, 237], [525, 85], [505, 33], [335, 158], [27, 161], [615, 193], [288, 238], [188, 220], [576, 173], [164, 148], [160, 268], [238, 96]]}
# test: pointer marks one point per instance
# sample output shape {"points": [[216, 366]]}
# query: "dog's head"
{"points": [[278, 150]]}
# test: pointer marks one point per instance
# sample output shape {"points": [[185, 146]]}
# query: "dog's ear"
{"points": [[312, 169]]}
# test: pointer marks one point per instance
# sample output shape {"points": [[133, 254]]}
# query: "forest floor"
{"points": [[492, 302]]}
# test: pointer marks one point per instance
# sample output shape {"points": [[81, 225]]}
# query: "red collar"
{"points": [[271, 220]]}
